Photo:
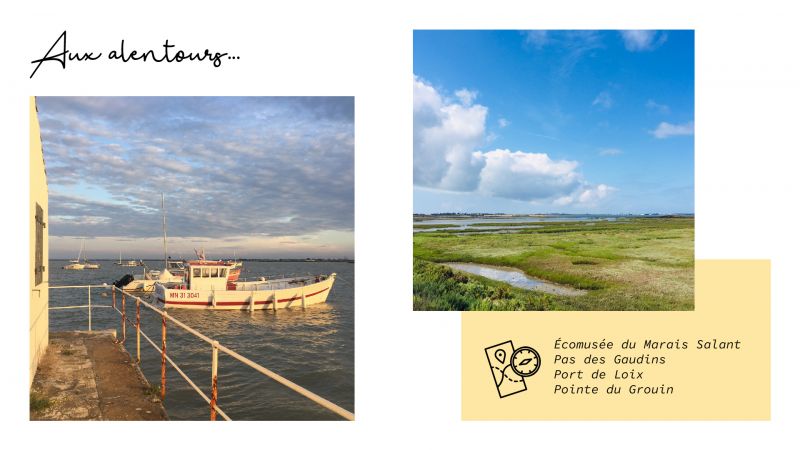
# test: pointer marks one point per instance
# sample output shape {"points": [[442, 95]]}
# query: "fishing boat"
{"points": [[207, 286]]}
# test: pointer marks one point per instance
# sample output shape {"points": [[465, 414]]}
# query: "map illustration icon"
{"points": [[511, 366]]}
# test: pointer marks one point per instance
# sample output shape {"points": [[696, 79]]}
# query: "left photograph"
{"points": [[192, 258]]}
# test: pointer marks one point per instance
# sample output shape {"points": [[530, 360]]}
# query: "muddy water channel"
{"points": [[516, 278]]}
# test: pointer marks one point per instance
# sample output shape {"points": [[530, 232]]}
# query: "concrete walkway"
{"points": [[86, 376]]}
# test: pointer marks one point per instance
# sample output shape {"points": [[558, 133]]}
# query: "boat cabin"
{"points": [[208, 275]]}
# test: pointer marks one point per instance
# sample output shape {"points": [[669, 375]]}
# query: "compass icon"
{"points": [[525, 361]]}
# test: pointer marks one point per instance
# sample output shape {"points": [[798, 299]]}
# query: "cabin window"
{"points": [[222, 272], [205, 272], [196, 272], [38, 264], [214, 272]]}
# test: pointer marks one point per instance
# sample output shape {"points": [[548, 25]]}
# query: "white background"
{"points": [[408, 364]]}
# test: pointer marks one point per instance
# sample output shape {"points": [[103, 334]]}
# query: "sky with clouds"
{"points": [[554, 121], [259, 176]]}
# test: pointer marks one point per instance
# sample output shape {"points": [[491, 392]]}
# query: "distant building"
{"points": [[37, 217]]}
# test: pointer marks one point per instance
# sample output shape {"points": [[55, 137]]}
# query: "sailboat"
{"points": [[75, 264], [129, 263], [86, 263], [147, 280]]}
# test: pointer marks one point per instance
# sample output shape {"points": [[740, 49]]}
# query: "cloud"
{"points": [[652, 105], [603, 100], [229, 166], [527, 176], [445, 137], [666, 130], [536, 38], [502, 123], [610, 152], [466, 96], [446, 157], [643, 40], [586, 195], [571, 45]]}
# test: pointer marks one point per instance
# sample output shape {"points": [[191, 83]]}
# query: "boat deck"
{"points": [[278, 283]]}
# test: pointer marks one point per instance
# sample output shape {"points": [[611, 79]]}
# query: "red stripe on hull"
{"points": [[265, 302]]}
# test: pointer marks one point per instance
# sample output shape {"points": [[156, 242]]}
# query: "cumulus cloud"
{"points": [[446, 157], [527, 176], [586, 195], [643, 40], [445, 137], [603, 100], [466, 96], [502, 123], [665, 130]]}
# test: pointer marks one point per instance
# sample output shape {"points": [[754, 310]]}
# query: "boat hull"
{"points": [[314, 293], [140, 285]]}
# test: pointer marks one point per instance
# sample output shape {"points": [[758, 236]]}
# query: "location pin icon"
{"points": [[500, 354]]}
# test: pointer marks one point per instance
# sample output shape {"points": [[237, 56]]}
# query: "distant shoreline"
{"points": [[457, 216]]}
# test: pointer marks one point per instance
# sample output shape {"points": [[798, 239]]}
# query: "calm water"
{"points": [[313, 348], [515, 278]]}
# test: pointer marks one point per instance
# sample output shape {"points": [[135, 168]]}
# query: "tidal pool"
{"points": [[516, 278]]}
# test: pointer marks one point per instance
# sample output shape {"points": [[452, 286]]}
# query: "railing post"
{"points": [[114, 297], [138, 333], [214, 367], [124, 328], [90, 308], [163, 355]]}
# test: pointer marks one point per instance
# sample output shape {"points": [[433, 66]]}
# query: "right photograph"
{"points": [[553, 170]]}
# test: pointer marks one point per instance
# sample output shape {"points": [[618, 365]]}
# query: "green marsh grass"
{"points": [[636, 264]]}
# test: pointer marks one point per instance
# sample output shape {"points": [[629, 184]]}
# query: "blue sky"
{"points": [[554, 121], [258, 176]]}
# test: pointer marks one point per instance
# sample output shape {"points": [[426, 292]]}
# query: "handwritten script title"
{"points": [[167, 53]]}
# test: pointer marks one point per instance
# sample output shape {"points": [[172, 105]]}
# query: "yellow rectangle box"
{"points": [[732, 303]]}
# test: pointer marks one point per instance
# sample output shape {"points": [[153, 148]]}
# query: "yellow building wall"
{"points": [[39, 319]]}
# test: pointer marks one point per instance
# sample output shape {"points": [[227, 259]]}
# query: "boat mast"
{"points": [[164, 226]]}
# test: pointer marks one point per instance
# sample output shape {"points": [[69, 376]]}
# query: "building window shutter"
{"points": [[38, 265]]}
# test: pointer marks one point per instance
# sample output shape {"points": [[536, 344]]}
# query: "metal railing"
{"points": [[89, 306], [216, 347]]}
